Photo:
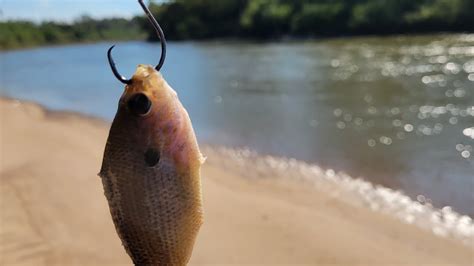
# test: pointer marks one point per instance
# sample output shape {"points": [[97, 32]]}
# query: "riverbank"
{"points": [[253, 40], [259, 210], [64, 44]]}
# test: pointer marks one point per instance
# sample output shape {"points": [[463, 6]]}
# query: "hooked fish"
{"points": [[151, 168]]}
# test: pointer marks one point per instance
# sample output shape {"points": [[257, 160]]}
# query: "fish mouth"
{"points": [[143, 71]]}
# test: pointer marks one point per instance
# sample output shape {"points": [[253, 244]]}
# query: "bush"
{"points": [[19, 34], [201, 19]]}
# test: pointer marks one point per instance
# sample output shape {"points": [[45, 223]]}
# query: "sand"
{"points": [[53, 211]]}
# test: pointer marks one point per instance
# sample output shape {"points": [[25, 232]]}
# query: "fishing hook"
{"points": [[161, 35]]}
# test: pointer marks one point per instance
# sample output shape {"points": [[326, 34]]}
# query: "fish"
{"points": [[151, 169], [151, 173]]}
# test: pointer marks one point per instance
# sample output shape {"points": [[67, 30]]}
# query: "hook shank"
{"points": [[161, 35]]}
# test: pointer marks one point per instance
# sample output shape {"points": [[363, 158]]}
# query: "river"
{"points": [[397, 111]]}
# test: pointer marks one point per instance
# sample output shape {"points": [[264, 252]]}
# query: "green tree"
{"points": [[441, 14], [266, 18], [202, 19], [319, 18]]}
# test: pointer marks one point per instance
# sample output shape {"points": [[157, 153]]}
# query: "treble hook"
{"points": [[161, 35]]}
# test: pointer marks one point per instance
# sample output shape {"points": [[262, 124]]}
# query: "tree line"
{"points": [[256, 19], [201, 19], [21, 34]]}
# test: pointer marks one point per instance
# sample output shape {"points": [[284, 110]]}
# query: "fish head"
{"points": [[153, 119], [146, 90]]}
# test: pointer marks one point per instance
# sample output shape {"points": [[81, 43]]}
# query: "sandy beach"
{"points": [[53, 211]]}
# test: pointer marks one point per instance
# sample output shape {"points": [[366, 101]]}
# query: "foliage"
{"points": [[264, 18], [447, 14], [203, 19], [319, 18], [18, 34], [197, 19], [183, 19]]}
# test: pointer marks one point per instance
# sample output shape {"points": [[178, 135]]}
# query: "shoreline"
{"points": [[56, 45], [282, 39], [252, 202], [443, 222]]}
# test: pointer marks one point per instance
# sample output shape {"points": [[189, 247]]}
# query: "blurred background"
{"points": [[381, 89]]}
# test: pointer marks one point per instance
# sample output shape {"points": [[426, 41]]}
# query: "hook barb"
{"points": [[114, 68]]}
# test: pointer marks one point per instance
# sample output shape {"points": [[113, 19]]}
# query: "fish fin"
{"points": [[202, 158]]}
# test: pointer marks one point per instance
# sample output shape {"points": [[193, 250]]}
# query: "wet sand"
{"points": [[53, 210]]}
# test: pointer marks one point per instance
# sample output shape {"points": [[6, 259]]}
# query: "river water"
{"points": [[397, 111]]}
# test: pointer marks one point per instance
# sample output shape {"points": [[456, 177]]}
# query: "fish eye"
{"points": [[139, 104]]}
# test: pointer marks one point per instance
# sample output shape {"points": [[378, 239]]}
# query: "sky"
{"points": [[67, 10]]}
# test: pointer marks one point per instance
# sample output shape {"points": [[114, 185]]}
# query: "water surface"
{"points": [[397, 111]]}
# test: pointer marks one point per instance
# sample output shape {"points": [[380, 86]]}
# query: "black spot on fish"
{"points": [[152, 157], [139, 104]]}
